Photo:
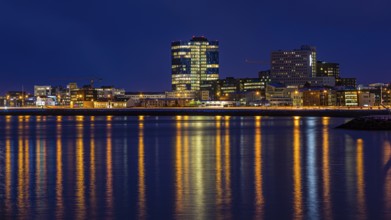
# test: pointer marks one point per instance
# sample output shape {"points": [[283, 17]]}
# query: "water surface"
{"points": [[192, 167]]}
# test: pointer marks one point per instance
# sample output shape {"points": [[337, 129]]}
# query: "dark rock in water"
{"points": [[374, 122]]}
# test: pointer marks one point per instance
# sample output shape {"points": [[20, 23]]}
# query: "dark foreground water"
{"points": [[192, 168]]}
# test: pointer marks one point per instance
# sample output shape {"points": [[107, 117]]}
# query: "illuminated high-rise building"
{"points": [[193, 63], [293, 67]]}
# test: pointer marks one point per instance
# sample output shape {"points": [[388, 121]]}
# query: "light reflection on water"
{"points": [[192, 167]]}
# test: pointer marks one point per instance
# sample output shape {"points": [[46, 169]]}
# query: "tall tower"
{"points": [[298, 63], [193, 63]]}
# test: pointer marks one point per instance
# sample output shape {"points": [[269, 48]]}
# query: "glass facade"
{"points": [[194, 62]]}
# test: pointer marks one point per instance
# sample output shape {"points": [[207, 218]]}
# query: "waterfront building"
{"points": [[3, 101], [109, 92], [278, 94], [291, 66], [327, 69], [318, 96], [42, 90], [366, 98], [16, 98], [83, 97], [385, 96], [194, 62], [347, 96], [144, 95], [184, 94], [235, 89], [110, 104], [297, 98]]}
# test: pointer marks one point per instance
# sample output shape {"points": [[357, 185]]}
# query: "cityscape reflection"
{"points": [[203, 167]]}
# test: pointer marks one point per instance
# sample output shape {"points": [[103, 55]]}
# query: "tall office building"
{"points": [[194, 62], [293, 66], [327, 69]]}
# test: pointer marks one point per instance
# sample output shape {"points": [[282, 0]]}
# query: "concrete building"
{"points": [[83, 97], [291, 66], [366, 98], [318, 96], [194, 62], [42, 90], [109, 92], [347, 97], [327, 69], [16, 98], [350, 82], [278, 94]]}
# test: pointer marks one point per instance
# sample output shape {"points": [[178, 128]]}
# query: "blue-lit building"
{"points": [[194, 63]]}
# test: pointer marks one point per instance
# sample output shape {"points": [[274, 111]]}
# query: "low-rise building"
{"points": [[347, 97], [83, 97], [42, 90], [348, 82], [16, 98], [278, 94], [366, 98], [318, 96]]}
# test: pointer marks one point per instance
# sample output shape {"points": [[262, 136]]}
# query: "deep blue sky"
{"points": [[127, 43]]}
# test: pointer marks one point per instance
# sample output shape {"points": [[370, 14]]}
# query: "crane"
{"points": [[260, 62]]}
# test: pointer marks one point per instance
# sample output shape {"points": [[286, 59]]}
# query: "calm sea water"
{"points": [[192, 167]]}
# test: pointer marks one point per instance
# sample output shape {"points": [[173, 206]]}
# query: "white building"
{"points": [[42, 90]]}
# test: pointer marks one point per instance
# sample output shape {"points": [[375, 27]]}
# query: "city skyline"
{"points": [[127, 44]]}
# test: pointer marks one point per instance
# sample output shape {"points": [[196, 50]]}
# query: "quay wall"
{"points": [[235, 111]]}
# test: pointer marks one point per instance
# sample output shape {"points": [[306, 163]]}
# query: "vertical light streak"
{"points": [[186, 155], [178, 167], [21, 177], [297, 193], [259, 199], [80, 179], [141, 172], [312, 174], [41, 172], [92, 169], [8, 169], [59, 173], [219, 188], [38, 174], [8, 175], [26, 174], [360, 179], [227, 163], [326, 169], [109, 167]]}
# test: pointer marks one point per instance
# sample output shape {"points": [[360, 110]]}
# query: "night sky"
{"points": [[127, 43]]}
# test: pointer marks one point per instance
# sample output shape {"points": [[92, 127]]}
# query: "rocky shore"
{"points": [[374, 122]]}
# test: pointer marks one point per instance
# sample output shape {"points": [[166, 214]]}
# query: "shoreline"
{"points": [[230, 111]]}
